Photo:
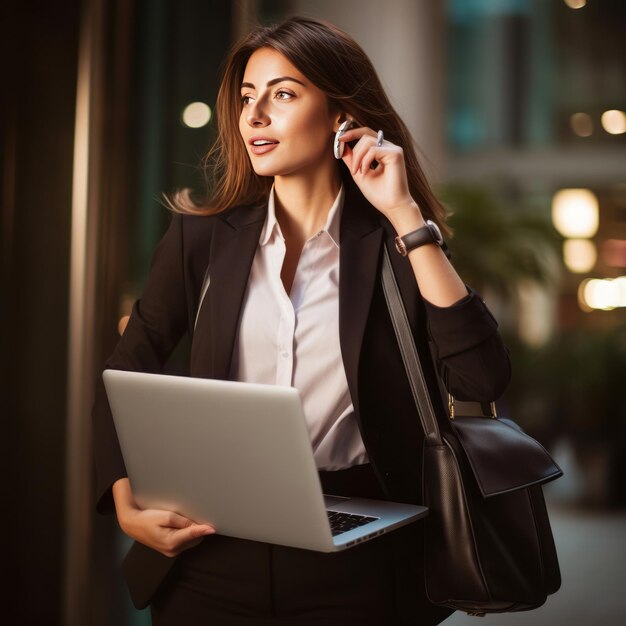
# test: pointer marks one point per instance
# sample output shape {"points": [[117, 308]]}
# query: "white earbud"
{"points": [[338, 146]]}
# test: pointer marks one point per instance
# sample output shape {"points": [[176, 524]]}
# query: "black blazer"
{"points": [[469, 351]]}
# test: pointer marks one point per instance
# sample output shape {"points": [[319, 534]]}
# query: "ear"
{"points": [[339, 117]]}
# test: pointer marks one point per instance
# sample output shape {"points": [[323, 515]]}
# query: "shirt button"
{"points": [[285, 354]]}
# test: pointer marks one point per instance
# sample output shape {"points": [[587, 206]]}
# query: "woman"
{"points": [[277, 279]]}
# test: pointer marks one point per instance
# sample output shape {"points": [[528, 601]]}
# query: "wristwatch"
{"points": [[429, 233]]}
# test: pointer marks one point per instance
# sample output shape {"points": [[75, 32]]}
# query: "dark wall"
{"points": [[158, 55], [39, 60]]}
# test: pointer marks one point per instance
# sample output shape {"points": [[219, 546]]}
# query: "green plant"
{"points": [[498, 247]]}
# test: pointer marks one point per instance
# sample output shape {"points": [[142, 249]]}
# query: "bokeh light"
{"points": [[579, 255], [582, 124], [614, 122], [575, 212], [575, 4], [196, 115], [602, 293]]}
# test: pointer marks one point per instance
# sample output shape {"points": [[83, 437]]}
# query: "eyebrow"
{"points": [[274, 81]]}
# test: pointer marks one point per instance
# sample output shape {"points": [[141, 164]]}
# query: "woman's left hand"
{"points": [[385, 187]]}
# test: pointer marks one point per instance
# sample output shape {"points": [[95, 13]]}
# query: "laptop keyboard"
{"points": [[343, 522]]}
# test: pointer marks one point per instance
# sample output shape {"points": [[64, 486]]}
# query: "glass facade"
{"points": [[534, 73]]}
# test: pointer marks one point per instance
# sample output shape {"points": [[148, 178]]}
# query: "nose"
{"points": [[256, 115]]}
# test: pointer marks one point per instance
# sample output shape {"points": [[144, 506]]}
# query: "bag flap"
{"points": [[502, 456]]}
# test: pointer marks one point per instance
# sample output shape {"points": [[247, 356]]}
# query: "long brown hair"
{"points": [[334, 63]]}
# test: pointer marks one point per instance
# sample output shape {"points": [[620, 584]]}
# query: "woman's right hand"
{"points": [[165, 531]]}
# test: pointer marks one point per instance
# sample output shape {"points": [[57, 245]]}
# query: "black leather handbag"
{"points": [[488, 543]]}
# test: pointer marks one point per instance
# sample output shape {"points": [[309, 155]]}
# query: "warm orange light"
{"points": [[575, 212], [579, 255], [196, 115], [121, 325], [614, 122], [604, 294], [582, 124]]}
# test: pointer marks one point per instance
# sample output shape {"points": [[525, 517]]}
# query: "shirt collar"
{"points": [[332, 221]]}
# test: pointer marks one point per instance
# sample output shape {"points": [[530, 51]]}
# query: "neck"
{"points": [[302, 202]]}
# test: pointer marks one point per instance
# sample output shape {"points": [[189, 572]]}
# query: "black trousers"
{"points": [[226, 581]]}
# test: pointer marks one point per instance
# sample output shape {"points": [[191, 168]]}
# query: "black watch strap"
{"points": [[429, 233]]}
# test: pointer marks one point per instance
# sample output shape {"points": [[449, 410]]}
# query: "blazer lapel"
{"points": [[361, 237], [233, 245]]}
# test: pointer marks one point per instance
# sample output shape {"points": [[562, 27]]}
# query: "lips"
{"points": [[263, 148], [261, 138]]}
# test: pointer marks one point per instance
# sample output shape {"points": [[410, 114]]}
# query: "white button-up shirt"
{"points": [[293, 339]]}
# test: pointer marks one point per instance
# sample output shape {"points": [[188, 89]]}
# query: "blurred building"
{"points": [[536, 100]]}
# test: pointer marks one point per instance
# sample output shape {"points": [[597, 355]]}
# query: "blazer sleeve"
{"points": [[157, 322], [473, 360]]}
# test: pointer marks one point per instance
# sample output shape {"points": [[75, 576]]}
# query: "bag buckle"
{"points": [[474, 409]]}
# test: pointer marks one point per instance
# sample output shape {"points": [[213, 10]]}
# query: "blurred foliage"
{"points": [[571, 385], [496, 246], [572, 382]]}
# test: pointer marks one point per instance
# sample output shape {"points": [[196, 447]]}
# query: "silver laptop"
{"points": [[237, 456]]}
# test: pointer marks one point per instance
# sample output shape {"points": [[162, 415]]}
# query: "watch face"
{"points": [[434, 229]]}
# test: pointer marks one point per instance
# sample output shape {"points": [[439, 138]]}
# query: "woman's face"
{"points": [[291, 112]]}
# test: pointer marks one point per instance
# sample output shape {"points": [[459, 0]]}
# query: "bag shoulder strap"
{"points": [[409, 353]]}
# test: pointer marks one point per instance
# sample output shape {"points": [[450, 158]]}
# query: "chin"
{"points": [[277, 168], [272, 169], [266, 171]]}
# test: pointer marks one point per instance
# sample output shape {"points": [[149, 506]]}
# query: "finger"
{"points": [[359, 151], [372, 154], [173, 545], [356, 133], [174, 520], [186, 535], [197, 530], [347, 156]]}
